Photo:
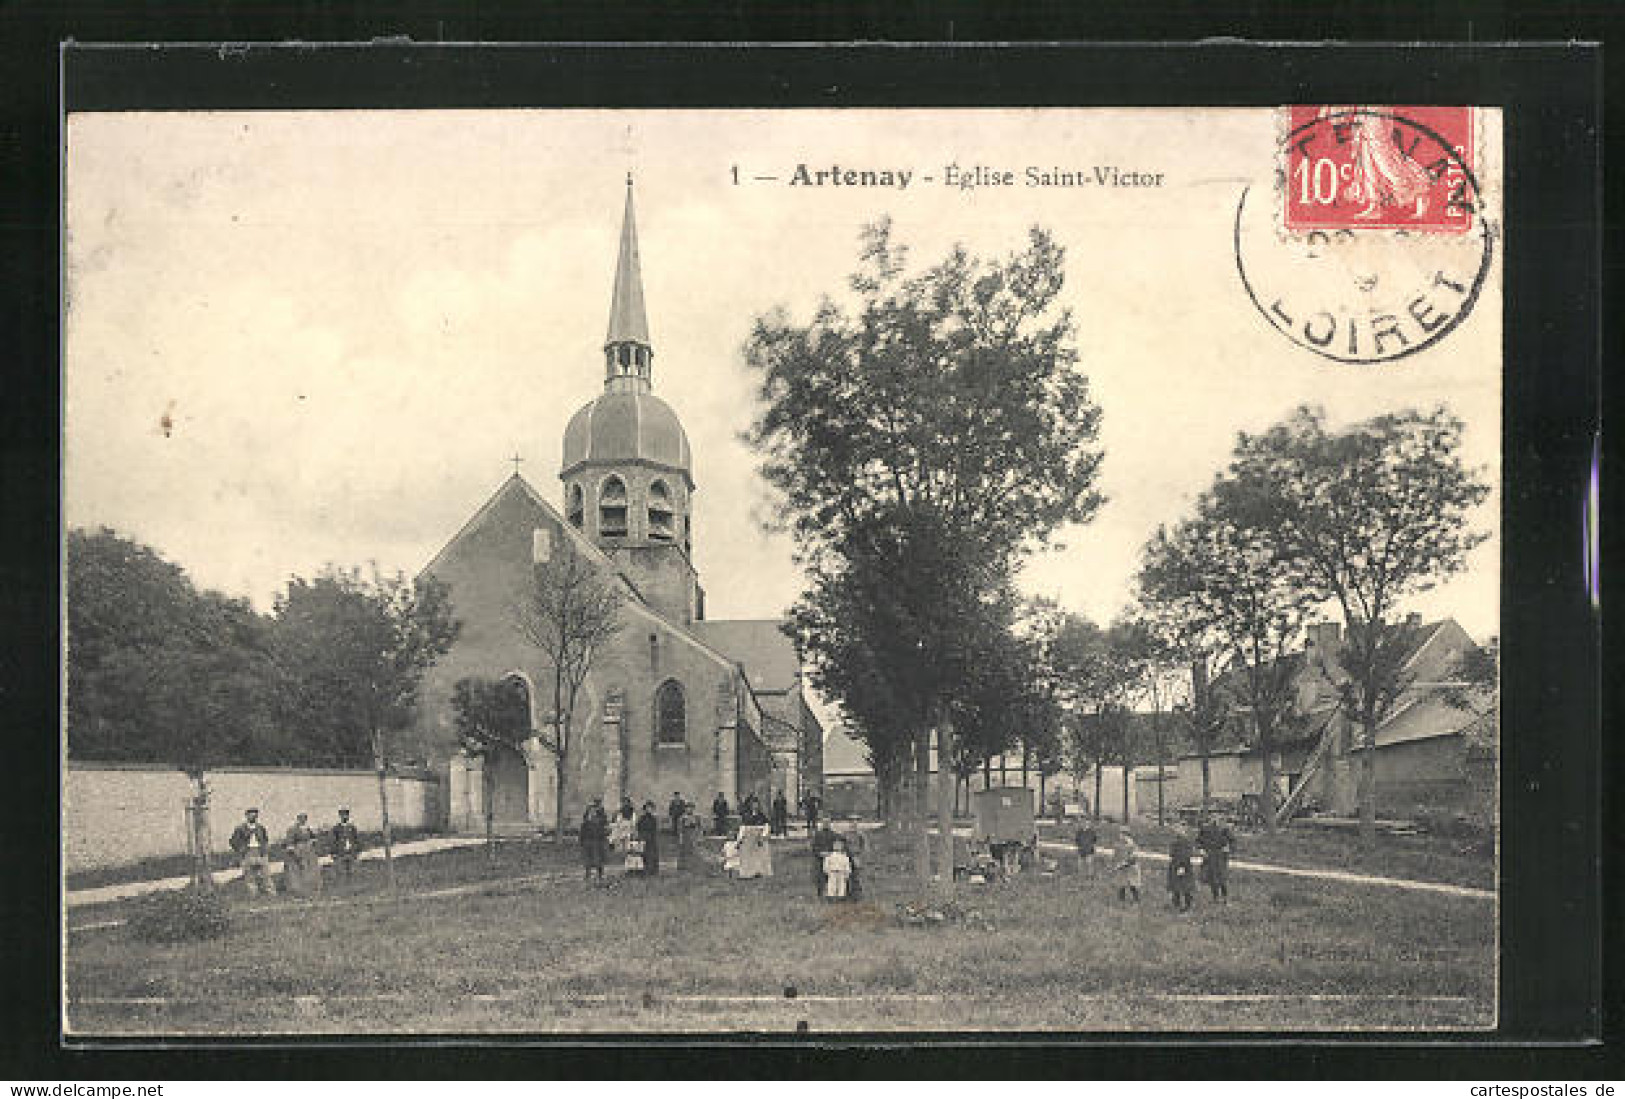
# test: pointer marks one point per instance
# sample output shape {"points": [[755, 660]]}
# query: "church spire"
{"points": [[627, 351]]}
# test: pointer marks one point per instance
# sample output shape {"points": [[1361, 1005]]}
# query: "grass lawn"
{"points": [[524, 946]]}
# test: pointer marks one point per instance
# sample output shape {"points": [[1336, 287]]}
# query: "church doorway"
{"points": [[509, 786], [507, 770]]}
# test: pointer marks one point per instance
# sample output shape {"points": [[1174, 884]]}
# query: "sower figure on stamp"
{"points": [[346, 845], [251, 844]]}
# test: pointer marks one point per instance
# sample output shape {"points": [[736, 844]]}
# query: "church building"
{"points": [[676, 702]]}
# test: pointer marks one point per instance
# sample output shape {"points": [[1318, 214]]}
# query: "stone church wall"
{"points": [[114, 814], [488, 569]]}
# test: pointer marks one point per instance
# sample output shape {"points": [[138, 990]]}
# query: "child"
{"points": [[1216, 843], [837, 869], [730, 858], [1181, 874], [1086, 838], [1128, 870]]}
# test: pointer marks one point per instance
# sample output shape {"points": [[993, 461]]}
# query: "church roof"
{"points": [[768, 655], [626, 426], [516, 487], [627, 320]]}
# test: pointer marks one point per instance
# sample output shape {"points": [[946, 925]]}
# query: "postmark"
{"points": [[1375, 242]]}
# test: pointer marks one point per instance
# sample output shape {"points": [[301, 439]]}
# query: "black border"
{"points": [[1552, 782]]}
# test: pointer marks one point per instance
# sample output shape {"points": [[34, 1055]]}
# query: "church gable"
{"points": [[487, 564]]}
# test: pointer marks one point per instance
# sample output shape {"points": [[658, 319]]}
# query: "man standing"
{"points": [[719, 815], [674, 812], [781, 815], [813, 805], [594, 839], [346, 845], [251, 844], [648, 829]]}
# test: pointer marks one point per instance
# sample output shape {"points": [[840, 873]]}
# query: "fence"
{"points": [[114, 814]]}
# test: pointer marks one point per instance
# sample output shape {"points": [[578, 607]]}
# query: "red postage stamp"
{"points": [[1350, 167]]}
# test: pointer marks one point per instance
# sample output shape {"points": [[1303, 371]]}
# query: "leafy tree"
{"points": [[1194, 655], [357, 648], [1476, 689], [490, 717], [1369, 516], [921, 446], [160, 672], [570, 613], [1226, 577]]}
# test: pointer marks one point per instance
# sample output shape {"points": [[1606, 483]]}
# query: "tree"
{"points": [[160, 672], [571, 611], [490, 716], [1205, 712], [1226, 577], [1186, 649], [1369, 516], [921, 447], [357, 647], [1476, 689]]}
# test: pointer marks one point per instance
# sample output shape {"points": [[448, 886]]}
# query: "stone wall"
{"points": [[114, 813]]}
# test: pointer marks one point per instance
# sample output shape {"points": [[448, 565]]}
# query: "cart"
{"points": [[1004, 832]]}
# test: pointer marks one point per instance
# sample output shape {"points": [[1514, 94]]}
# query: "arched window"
{"points": [[612, 508], [577, 506], [661, 527], [671, 714]]}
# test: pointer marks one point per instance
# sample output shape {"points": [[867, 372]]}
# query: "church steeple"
{"points": [[628, 354]]}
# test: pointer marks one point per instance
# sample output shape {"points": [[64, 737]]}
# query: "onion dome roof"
{"points": [[625, 426]]}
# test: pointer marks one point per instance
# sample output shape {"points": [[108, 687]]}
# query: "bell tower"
{"points": [[627, 469], [628, 355]]}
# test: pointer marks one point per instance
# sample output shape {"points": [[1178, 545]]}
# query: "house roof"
{"points": [[1426, 716], [768, 654], [843, 754], [1429, 658]]}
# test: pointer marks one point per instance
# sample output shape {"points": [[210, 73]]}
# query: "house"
{"points": [[1431, 749]]}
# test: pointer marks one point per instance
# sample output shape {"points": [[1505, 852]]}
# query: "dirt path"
{"points": [[124, 890]]}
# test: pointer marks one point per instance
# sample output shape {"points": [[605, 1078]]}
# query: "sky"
{"points": [[310, 337]]}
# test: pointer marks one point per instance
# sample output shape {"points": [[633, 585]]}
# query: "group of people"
{"points": [[776, 816], [302, 851], [635, 834], [1212, 838]]}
